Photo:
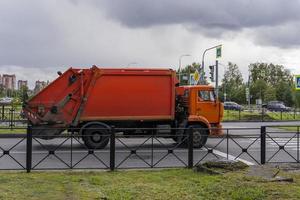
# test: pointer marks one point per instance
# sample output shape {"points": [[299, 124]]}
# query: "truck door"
{"points": [[207, 106]]}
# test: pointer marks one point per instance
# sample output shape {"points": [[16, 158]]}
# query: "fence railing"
{"points": [[281, 144], [254, 146], [11, 116]]}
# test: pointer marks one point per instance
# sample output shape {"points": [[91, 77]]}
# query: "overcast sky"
{"points": [[38, 38]]}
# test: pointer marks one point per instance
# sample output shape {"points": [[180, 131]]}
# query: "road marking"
{"points": [[291, 145], [233, 127], [231, 157], [288, 142]]}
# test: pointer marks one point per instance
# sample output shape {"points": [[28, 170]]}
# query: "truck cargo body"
{"points": [[131, 95], [78, 96], [97, 98]]}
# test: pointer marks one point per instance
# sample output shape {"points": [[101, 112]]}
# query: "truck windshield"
{"points": [[206, 95]]}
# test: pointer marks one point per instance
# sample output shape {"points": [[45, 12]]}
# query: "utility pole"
{"points": [[217, 79], [202, 64]]}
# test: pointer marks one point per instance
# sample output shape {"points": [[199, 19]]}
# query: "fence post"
{"points": [[3, 112], [294, 113], [263, 145], [298, 144], [190, 149], [281, 115], [28, 149], [11, 118], [262, 114], [112, 148], [239, 114], [227, 144]]}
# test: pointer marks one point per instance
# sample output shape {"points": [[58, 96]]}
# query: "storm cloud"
{"points": [[55, 34], [226, 14], [273, 22]]}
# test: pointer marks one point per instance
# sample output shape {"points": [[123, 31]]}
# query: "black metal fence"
{"points": [[11, 116], [280, 144], [254, 146]]}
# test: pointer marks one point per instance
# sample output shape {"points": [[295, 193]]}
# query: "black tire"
{"points": [[95, 136], [200, 135]]}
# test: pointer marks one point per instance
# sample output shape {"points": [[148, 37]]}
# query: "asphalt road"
{"points": [[138, 153]]}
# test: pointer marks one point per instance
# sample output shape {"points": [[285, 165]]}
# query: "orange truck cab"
{"points": [[93, 100], [202, 106]]}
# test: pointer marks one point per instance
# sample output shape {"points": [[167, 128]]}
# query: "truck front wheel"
{"points": [[200, 135], [95, 136]]}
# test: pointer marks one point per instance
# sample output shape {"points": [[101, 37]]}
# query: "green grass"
{"points": [[164, 184], [230, 115], [284, 116], [7, 130]]}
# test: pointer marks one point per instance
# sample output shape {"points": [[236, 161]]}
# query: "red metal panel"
{"points": [[131, 94], [38, 108]]}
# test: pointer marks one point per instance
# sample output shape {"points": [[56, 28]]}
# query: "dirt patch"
{"points": [[264, 171], [268, 173], [289, 167], [220, 166]]}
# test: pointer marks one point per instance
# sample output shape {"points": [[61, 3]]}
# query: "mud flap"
{"points": [[46, 132]]}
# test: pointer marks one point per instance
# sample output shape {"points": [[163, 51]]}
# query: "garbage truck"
{"points": [[92, 100]]}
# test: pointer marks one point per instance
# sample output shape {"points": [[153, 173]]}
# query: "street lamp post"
{"points": [[179, 67], [202, 65]]}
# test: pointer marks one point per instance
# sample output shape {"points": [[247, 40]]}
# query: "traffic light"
{"points": [[212, 73], [219, 52]]}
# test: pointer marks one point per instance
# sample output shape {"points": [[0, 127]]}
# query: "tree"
{"points": [[2, 91], [271, 82], [270, 94], [232, 84], [297, 98], [23, 93], [284, 93], [270, 73], [258, 89], [187, 70]]}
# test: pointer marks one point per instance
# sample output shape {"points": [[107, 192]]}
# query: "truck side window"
{"points": [[212, 96], [206, 95]]}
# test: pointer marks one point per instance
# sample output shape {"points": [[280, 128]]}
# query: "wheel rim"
{"points": [[197, 137], [96, 137]]}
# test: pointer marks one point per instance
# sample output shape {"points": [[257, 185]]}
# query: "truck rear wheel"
{"points": [[200, 135], [95, 136]]}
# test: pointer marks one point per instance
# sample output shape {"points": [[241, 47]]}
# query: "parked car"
{"points": [[6, 100], [230, 105], [277, 106]]}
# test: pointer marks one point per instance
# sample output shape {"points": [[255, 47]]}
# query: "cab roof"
{"points": [[208, 87]]}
